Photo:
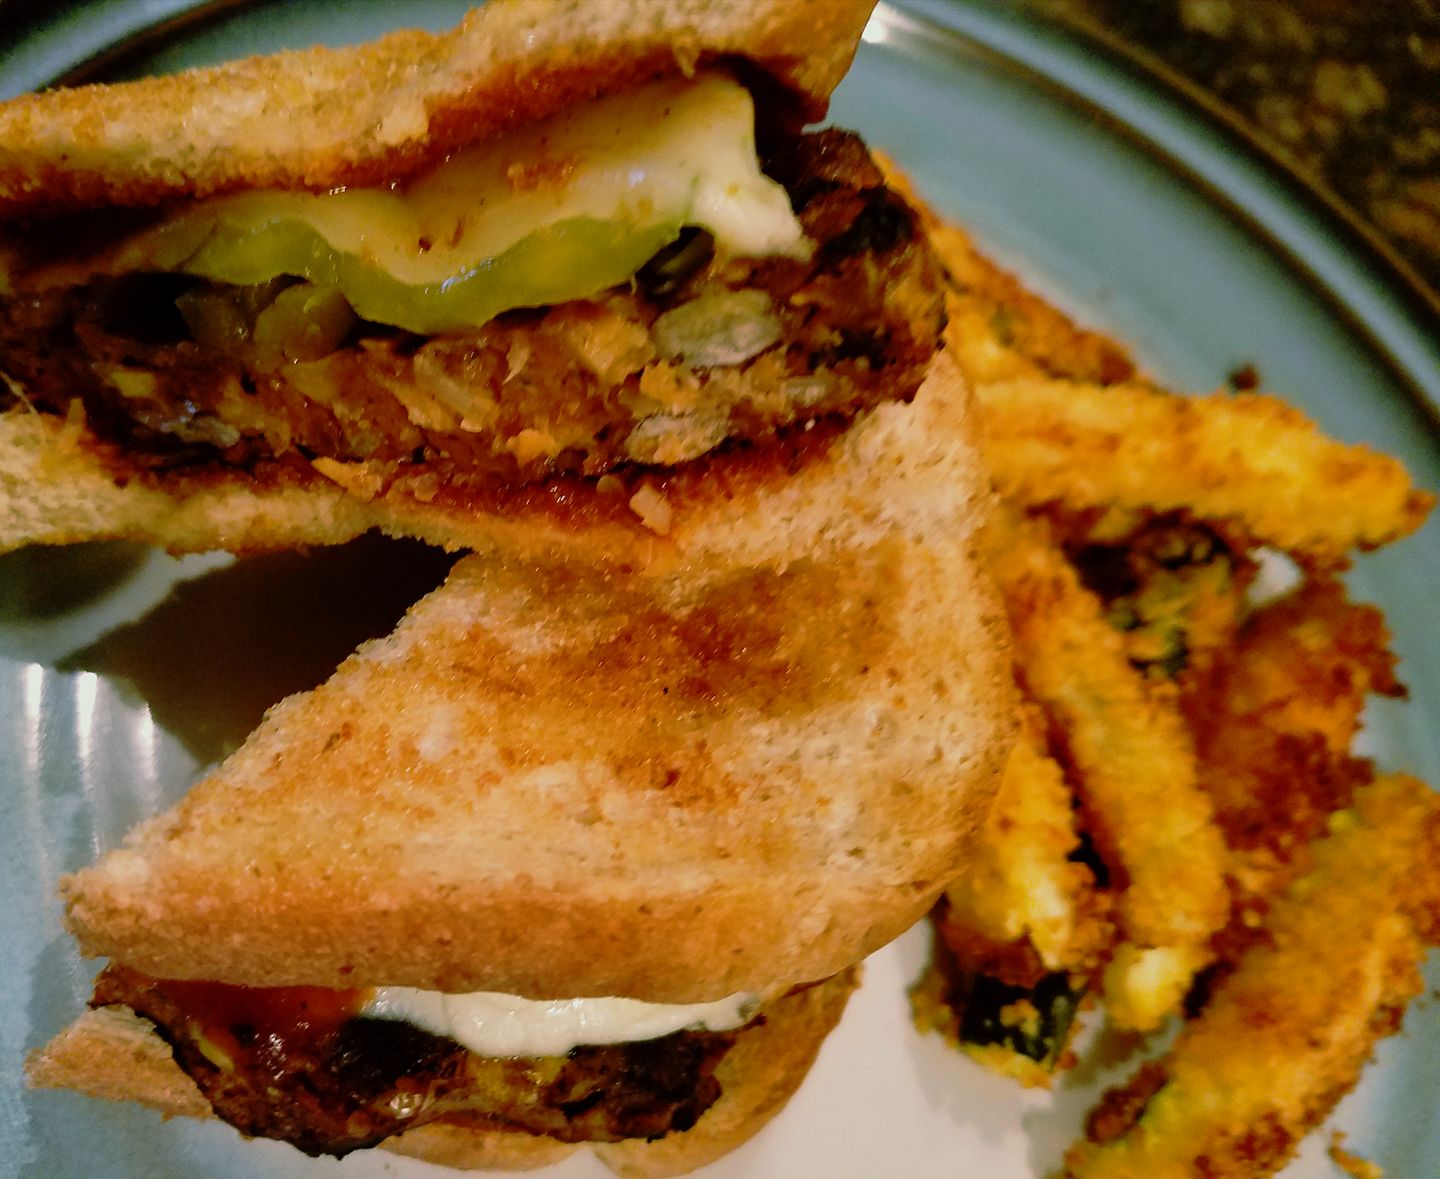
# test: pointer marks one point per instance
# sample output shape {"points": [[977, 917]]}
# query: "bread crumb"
{"points": [[356, 478], [128, 868], [1352, 1164], [407, 121], [74, 428], [653, 509], [16, 389], [531, 444]]}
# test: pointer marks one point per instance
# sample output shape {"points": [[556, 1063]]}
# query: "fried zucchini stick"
{"points": [[1304, 663], [1286, 1035], [1022, 932], [1248, 460], [1022, 884], [1134, 771], [1019, 1030], [1273, 729], [1174, 590]]}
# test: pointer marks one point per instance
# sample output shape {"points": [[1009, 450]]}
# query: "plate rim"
{"points": [[1374, 351]]}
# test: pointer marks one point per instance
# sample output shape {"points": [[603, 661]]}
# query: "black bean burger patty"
{"points": [[697, 350], [298, 1064]]}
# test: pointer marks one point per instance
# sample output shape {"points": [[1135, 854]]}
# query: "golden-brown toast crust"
{"points": [[112, 1054], [375, 113], [60, 485], [738, 762], [57, 486], [476, 1146]]}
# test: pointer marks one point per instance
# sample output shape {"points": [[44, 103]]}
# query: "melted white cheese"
{"points": [[493, 1024], [678, 151]]}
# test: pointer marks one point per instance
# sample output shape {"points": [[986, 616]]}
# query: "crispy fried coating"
{"points": [[1349, 1162], [1174, 588], [1022, 931], [1023, 883], [1070, 421], [1133, 767], [1020, 1030], [1027, 910], [1162, 504], [1286, 1035], [1273, 729], [1250, 460], [1303, 663]]}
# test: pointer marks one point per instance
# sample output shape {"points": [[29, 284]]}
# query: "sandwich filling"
{"points": [[557, 212], [331, 1071], [495, 1024], [623, 287]]}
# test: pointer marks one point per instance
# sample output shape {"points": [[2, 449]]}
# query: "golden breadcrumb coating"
{"points": [[1250, 460], [1023, 882], [1285, 1035], [1133, 753], [1165, 504]]}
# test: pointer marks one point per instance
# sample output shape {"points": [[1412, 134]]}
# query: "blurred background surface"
{"points": [[1346, 92]]}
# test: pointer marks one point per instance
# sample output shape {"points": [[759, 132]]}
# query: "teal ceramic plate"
{"points": [[1109, 195]]}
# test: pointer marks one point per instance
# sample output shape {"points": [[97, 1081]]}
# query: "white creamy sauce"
{"points": [[494, 1024]]}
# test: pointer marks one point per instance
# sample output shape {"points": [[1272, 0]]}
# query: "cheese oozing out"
{"points": [[499, 1025], [559, 210]]}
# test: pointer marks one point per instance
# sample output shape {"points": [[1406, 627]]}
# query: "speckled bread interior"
{"points": [[741, 760]]}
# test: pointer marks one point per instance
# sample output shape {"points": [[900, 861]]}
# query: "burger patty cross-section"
{"points": [[270, 349]]}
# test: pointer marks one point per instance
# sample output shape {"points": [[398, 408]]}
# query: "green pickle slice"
{"points": [[559, 211], [569, 259]]}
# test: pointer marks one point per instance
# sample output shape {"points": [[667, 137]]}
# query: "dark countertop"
{"points": [[1346, 92]]}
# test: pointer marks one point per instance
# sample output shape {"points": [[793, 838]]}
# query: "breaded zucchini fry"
{"points": [[1161, 503], [999, 331], [1304, 663], [1249, 460], [1273, 729], [1174, 589], [1023, 884], [1286, 1035], [1020, 1030], [1133, 768], [1020, 934]]}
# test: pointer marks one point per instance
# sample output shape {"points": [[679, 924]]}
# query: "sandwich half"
{"points": [[445, 285], [717, 773]]}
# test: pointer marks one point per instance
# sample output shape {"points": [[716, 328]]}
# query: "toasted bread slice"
{"points": [[741, 760], [56, 488], [112, 1054], [375, 113]]}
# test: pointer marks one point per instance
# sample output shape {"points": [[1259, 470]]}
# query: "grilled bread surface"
{"points": [[378, 112], [739, 760]]}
